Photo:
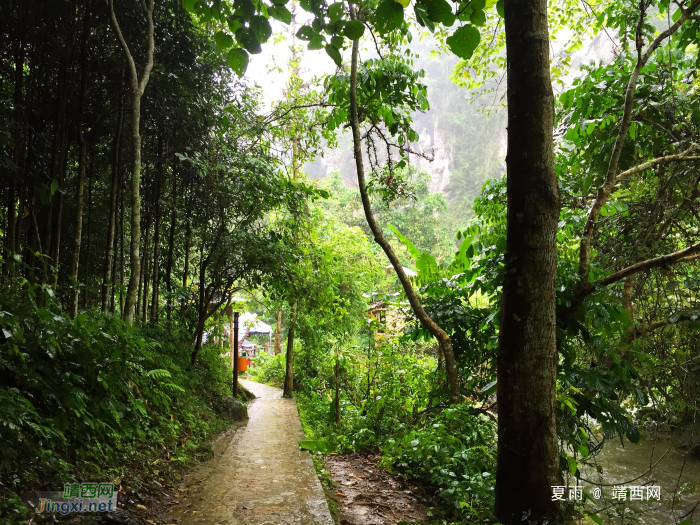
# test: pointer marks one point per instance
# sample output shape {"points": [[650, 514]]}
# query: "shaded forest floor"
{"points": [[365, 494]]}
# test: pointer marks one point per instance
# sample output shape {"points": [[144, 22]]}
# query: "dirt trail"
{"points": [[262, 478]]}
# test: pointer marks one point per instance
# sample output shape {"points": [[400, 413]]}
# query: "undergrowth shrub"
{"points": [[93, 399], [268, 369], [455, 454]]}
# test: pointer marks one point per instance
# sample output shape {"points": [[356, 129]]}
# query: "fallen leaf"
{"points": [[217, 507], [151, 522], [139, 506], [195, 512]]}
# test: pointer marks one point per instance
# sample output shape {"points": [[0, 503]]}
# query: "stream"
{"points": [[674, 471]]}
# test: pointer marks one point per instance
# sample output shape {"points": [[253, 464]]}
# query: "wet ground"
{"points": [[261, 478], [367, 495]]}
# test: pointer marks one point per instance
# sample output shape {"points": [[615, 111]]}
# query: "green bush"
{"points": [[91, 398], [268, 369], [455, 454]]}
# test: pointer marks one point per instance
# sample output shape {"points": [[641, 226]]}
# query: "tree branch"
{"points": [[663, 260], [611, 176], [655, 162]]}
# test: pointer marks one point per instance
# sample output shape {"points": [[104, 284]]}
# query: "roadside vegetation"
{"points": [[487, 340]]}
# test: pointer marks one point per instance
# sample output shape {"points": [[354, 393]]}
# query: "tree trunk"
{"points": [[122, 298], [171, 245], [289, 361], [425, 320], [137, 88], [156, 234], [80, 193], [146, 272], [278, 335], [528, 460], [107, 281], [88, 251]]}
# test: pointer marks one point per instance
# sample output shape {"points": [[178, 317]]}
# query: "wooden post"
{"points": [[235, 355], [230, 337]]}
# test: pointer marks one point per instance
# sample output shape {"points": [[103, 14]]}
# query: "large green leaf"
{"points": [[463, 41], [334, 54], [389, 16], [250, 43], [222, 40], [336, 11], [281, 13], [353, 29], [415, 252], [316, 446], [261, 28], [306, 33], [237, 59], [189, 5], [316, 42]]}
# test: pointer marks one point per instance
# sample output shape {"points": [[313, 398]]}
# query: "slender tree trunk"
{"points": [[79, 195], [122, 298], [528, 459], [107, 280], [137, 89], [289, 361], [88, 248], [156, 234], [336, 374], [278, 335], [146, 272], [171, 245], [425, 320], [18, 142]]}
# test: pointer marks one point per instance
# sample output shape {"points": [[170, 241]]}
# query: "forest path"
{"points": [[262, 477]]}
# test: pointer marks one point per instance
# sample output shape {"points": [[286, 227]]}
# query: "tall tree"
{"points": [[138, 86], [528, 462]]}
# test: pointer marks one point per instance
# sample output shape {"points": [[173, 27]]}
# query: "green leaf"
{"points": [[478, 18], [490, 388], [189, 5], [404, 3], [463, 41], [306, 33], [261, 28], [281, 13], [337, 42], [203, 11], [411, 248], [222, 40], [353, 29], [422, 17], [499, 8], [237, 59], [316, 42], [440, 11], [250, 43], [595, 518], [336, 11], [389, 16], [334, 54], [316, 446]]}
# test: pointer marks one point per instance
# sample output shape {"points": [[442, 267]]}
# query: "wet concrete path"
{"points": [[262, 478]]}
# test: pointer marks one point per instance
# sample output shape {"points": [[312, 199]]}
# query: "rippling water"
{"points": [[675, 472]]}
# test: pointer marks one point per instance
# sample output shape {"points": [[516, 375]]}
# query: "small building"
{"points": [[391, 317]]}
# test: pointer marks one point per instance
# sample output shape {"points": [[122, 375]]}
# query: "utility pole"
{"points": [[235, 355]]}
